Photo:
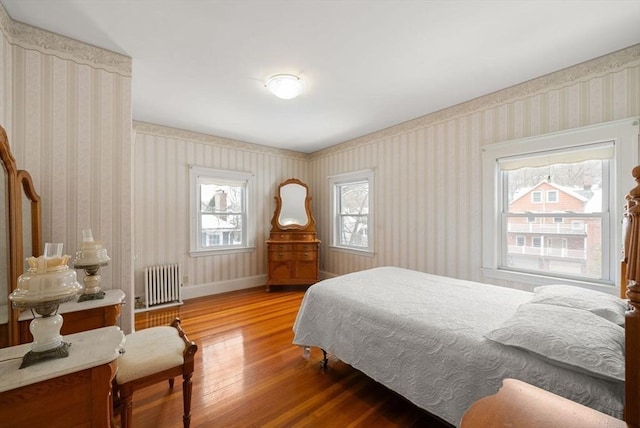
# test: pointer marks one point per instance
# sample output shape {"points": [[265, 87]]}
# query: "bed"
{"points": [[444, 343], [423, 336]]}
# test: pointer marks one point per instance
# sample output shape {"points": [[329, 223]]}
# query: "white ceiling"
{"points": [[200, 65]]}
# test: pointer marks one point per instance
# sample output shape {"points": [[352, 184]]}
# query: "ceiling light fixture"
{"points": [[285, 86]]}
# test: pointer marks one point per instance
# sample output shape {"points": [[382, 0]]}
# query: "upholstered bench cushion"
{"points": [[149, 351]]}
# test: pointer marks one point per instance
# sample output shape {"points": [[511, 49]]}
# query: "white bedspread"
{"points": [[421, 335]]}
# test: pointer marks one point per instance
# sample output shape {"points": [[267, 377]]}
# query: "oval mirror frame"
{"points": [[293, 207]]}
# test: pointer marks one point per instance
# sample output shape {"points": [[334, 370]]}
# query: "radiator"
{"points": [[163, 285]]}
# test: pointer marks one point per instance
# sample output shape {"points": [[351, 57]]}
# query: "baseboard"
{"points": [[201, 290]]}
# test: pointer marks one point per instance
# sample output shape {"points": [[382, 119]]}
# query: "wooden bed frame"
{"points": [[631, 269], [523, 405]]}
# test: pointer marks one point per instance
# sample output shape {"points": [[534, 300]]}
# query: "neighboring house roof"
{"points": [[570, 191], [215, 222]]}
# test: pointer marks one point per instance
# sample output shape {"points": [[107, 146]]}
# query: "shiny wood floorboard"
{"points": [[248, 373]]}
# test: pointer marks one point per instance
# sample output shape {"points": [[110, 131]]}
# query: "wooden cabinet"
{"points": [[293, 249], [293, 258], [80, 316], [67, 392]]}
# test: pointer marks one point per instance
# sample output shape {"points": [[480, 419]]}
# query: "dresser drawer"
{"points": [[292, 236], [279, 256], [306, 256], [305, 247], [280, 247]]}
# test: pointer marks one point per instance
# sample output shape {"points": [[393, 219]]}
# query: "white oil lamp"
{"points": [[48, 283], [91, 257]]}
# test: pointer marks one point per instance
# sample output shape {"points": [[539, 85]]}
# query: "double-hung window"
{"points": [[351, 211], [561, 195], [220, 220]]}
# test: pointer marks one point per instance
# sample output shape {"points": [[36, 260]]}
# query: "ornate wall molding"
{"points": [[181, 134], [582, 72], [48, 43]]}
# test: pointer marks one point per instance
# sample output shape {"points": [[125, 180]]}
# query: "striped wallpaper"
{"points": [[161, 204], [66, 107], [428, 171]]}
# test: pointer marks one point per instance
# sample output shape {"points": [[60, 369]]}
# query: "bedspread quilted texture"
{"points": [[421, 335]]}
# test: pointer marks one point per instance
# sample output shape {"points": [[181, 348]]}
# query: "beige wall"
{"points": [[67, 110], [428, 171], [161, 207]]}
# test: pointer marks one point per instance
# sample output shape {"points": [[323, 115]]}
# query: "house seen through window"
{"points": [[220, 218], [552, 205], [562, 231]]}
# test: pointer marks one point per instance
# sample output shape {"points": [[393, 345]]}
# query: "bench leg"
{"points": [[187, 386], [126, 410]]}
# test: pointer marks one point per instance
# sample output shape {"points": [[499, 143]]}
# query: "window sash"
{"points": [[344, 219], [225, 228]]}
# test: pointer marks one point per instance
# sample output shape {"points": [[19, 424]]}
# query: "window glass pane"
{"points": [[219, 217], [580, 183], [353, 231], [354, 198], [352, 213], [563, 230]]}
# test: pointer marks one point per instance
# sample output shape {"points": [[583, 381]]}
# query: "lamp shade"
{"points": [[285, 86], [46, 284], [91, 253]]}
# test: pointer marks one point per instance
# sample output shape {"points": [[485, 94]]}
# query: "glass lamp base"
{"points": [[33, 357]]}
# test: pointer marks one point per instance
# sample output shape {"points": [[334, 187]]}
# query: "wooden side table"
{"points": [[71, 391], [80, 316]]}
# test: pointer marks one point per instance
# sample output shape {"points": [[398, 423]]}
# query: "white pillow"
{"points": [[567, 337], [607, 306]]}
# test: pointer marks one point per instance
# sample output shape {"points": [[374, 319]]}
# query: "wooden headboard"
{"points": [[631, 279]]}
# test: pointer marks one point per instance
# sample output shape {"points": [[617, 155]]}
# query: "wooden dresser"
{"points": [[293, 249], [81, 316], [293, 258], [66, 392]]}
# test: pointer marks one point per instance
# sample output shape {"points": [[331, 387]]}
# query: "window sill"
{"points": [[222, 251], [534, 280], [357, 252]]}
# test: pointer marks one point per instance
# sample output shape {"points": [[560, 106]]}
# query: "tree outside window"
{"points": [[351, 211]]}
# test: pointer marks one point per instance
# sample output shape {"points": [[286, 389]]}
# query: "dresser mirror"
{"points": [[293, 210], [20, 235], [293, 206]]}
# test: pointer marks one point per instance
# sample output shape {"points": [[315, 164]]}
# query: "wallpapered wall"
{"points": [[428, 171], [66, 107], [161, 203]]}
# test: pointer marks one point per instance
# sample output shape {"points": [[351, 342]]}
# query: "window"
{"points": [[352, 217], [584, 174], [219, 211], [552, 196], [520, 241], [536, 197]]}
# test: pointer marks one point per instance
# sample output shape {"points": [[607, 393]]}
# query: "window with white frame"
{"points": [[351, 211], [589, 170], [536, 197], [219, 211]]}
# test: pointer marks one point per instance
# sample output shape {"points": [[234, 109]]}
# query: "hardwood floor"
{"points": [[248, 373]]}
